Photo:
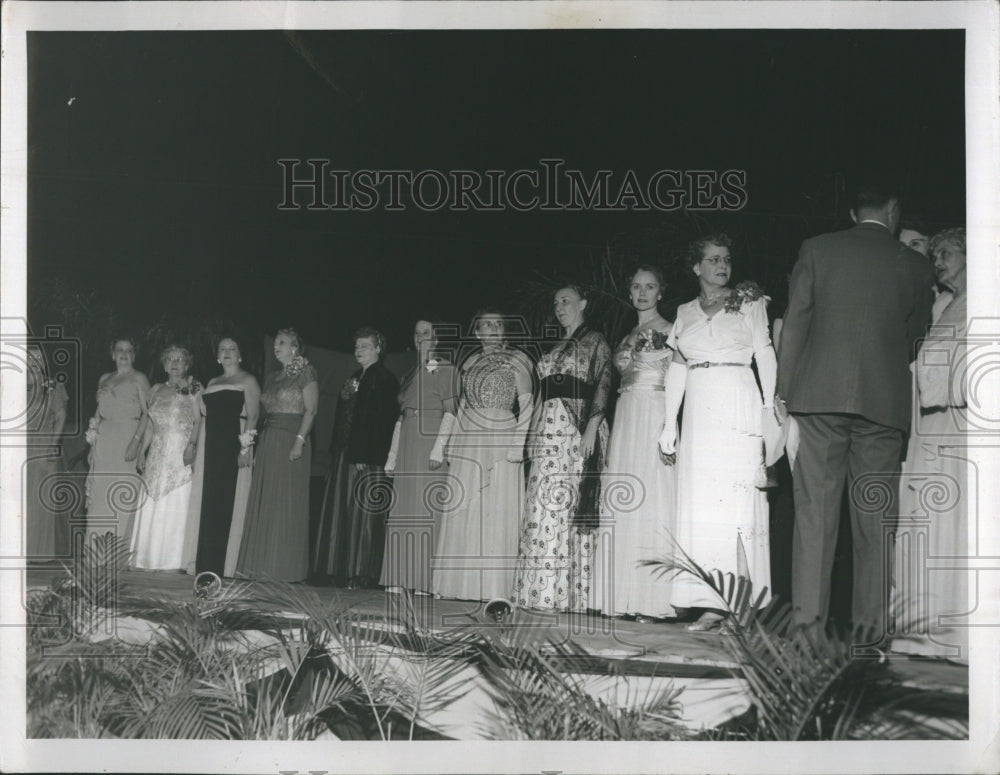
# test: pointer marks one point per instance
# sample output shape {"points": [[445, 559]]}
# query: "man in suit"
{"points": [[859, 300]]}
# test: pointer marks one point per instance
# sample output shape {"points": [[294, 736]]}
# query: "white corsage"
{"points": [[91, 434], [432, 365], [295, 366], [247, 440]]}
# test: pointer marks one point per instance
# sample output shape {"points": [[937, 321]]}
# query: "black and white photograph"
{"points": [[488, 377]]}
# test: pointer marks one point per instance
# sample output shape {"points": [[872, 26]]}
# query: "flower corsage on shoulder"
{"points": [[743, 293], [296, 365], [189, 388], [350, 388], [650, 341]]}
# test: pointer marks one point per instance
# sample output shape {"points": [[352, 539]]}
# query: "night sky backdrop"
{"points": [[154, 180]]}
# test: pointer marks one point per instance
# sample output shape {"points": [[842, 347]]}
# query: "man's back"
{"points": [[859, 301]]}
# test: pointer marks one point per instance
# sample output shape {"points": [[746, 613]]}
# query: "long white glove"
{"points": [[516, 452], [444, 433], [673, 394], [390, 461]]}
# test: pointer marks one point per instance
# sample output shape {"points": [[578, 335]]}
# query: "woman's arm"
{"points": [[132, 450], [600, 371], [251, 402], [310, 399]]}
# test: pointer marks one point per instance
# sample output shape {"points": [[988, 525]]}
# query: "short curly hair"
{"points": [[177, 348], [696, 248], [367, 332], [652, 269], [954, 236]]}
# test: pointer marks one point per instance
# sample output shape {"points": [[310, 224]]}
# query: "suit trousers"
{"points": [[835, 447]]}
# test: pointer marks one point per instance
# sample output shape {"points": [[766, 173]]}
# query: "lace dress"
{"points": [[476, 546], [561, 508], [640, 492], [158, 537], [276, 530]]}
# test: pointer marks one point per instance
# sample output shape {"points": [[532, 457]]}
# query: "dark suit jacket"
{"points": [[376, 409], [858, 302]]}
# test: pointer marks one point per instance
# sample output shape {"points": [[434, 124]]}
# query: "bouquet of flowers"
{"points": [[247, 440], [91, 434], [350, 388], [744, 292], [649, 341], [295, 366]]}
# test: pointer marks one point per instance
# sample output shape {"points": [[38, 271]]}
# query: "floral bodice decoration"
{"points": [[173, 415], [282, 393]]}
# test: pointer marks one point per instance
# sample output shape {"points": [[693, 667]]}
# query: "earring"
{"points": [[219, 361]]}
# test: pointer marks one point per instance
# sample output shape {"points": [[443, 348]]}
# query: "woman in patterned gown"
{"points": [[275, 542], [639, 490], [722, 516], [230, 404], [931, 603], [428, 401], [477, 542], [568, 441], [168, 449], [116, 430], [47, 530]]}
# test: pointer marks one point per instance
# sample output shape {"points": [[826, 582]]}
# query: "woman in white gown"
{"points": [[168, 449], [639, 490], [933, 500], [722, 516]]}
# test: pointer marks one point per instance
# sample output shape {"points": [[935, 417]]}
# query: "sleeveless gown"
{"points": [[640, 493], [276, 530], [476, 546], [158, 538]]}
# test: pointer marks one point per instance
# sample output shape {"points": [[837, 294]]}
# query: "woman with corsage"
{"points": [[639, 492], [358, 492], [476, 545], [428, 403], [116, 430], [230, 404], [568, 442], [276, 530], [168, 450], [722, 516]]}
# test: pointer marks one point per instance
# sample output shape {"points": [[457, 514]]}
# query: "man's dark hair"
{"points": [[872, 195], [914, 223]]}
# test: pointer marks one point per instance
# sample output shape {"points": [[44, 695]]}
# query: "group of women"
{"points": [[488, 475]]}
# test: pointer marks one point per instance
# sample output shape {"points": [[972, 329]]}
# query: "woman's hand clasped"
{"points": [[296, 452], [668, 444], [132, 450]]}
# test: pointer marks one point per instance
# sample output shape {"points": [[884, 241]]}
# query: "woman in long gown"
{"points": [[639, 490], [46, 528], [722, 515], [230, 404], [275, 543], [358, 492], [568, 444], [168, 449], [114, 488], [930, 603], [428, 401], [476, 545]]}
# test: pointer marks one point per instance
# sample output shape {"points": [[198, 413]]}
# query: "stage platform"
{"points": [[622, 657]]}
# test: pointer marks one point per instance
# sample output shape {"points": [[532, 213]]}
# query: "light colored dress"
{"points": [[721, 510], [561, 507], [639, 492], [46, 526], [476, 545], [114, 489], [930, 603], [158, 538]]}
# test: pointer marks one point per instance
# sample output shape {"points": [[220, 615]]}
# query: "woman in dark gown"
{"points": [[230, 404], [276, 534], [358, 493]]}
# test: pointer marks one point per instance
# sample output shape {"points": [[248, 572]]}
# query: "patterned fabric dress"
{"points": [[476, 545], [276, 531], [561, 508], [114, 489], [640, 492], [158, 538]]}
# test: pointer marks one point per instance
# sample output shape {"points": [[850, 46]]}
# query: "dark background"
{"points": [[154, 184]]}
